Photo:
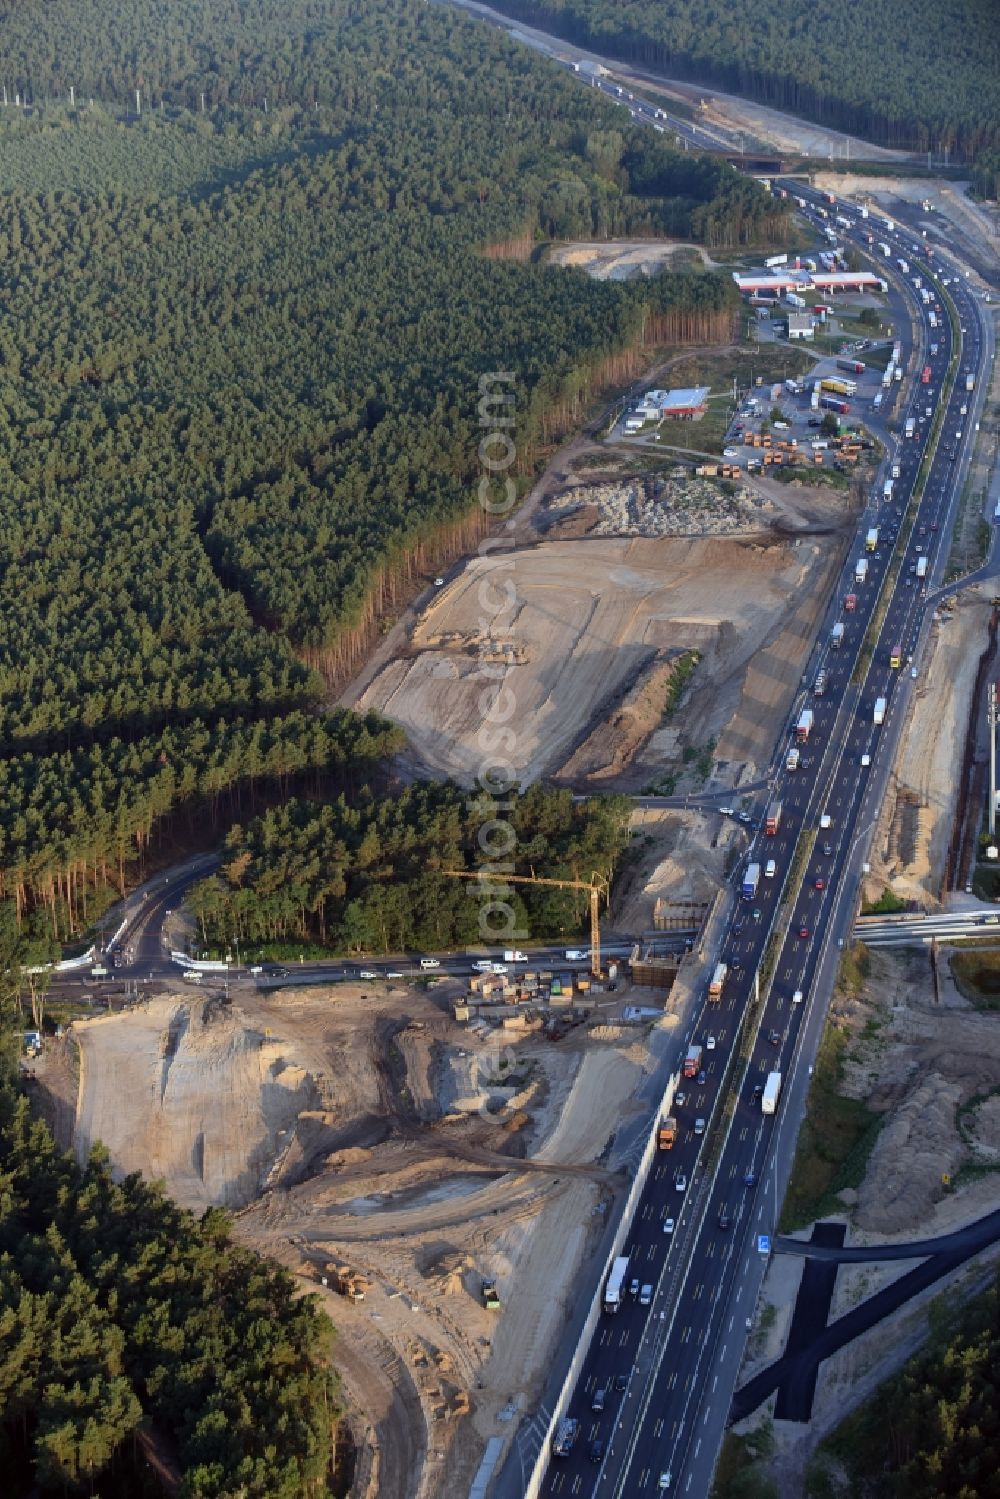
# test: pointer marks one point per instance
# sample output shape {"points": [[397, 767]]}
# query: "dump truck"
{"points": [[717, 980], [771, 1094], [692, 1061], [491, 1300], [803, 727], [667, 1134]]}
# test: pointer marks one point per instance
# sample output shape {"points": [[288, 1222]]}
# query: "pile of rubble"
{"points": [[657, 506]]}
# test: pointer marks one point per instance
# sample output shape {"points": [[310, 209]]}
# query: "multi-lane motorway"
{"points": [[678, 1357]]}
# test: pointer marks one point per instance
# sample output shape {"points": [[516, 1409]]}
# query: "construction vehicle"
{"points": [[597, 886], [491, 1301], [348, 1282]]}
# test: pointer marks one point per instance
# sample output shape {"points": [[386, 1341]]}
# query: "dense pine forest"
{"points": [[932, 1431], [368, 876], [142, 1351], [238, 392], [923, 75]]}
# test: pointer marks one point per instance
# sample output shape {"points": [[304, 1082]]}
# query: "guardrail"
{"points": [[533, 1486]]}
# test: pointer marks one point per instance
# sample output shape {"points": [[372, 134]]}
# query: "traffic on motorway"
{"points": [[657, 1378]]}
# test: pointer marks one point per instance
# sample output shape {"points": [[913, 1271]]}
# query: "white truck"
{"points": [[922, 567], [970, 382], [878, 717], [887, 376], [911, 427], [887, 491], [884, 248], [837, 635], [771, 1094], [515, 955], [614, 1290], [871, 540], [792, 762], [861, 570]]}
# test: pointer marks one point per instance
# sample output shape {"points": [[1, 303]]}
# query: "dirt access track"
{"points": [[365, 1128]]}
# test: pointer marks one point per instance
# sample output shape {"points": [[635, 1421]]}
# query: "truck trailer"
{"points": [[861, 570], [772, 820], [803, 727], [771, 1094], [692, 1061], [878, 717], [834, 403], [852, 366], [750, 881], [614, 1290]]}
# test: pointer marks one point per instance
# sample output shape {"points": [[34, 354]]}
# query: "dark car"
{"points": [[702, 1079], [749, 1179], [774, 1037], [828, 849], [621, 1383], [756, 1093], [597, 1450], [724, 1218]]}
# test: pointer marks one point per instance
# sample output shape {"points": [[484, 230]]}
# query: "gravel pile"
{"points": [[655, 506]]}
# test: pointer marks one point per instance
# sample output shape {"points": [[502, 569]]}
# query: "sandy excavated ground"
{"points": [[620, 260], [582, 623], [915, 826], [371, 1130]]}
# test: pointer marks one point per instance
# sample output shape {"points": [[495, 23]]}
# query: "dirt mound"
{"points": [[917, 1146], [448, 1271]]}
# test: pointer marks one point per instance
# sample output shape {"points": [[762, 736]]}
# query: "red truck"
{"points": [[772, 821], [850, 602], [854, 366], [692, 1061], [925, 378]]}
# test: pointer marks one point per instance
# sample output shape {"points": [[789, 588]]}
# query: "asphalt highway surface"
{"points": [[695, 1236]]}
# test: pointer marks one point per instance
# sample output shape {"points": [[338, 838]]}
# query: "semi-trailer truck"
{"points": [[871, 540], [614, 1290], [803, 727], [772, 819], [878, 717], [692, 1061], [771, 1094], [861, 570], [834, 403], [667, 1134], [750, 881], [837, 636], [819, 686], [717, 980], [852, 366], [887, 376], [839, 387]]}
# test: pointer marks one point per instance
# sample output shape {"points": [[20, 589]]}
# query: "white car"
{"points": [[726, 811], [668, 1225], [573, 955], [429, 963], [482, 965], [730, 453], [913, 672], [666, 1479], [681, 1183], [709, 1043], [366, 973]]}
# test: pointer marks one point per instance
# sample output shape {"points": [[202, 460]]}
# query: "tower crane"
{"points": [[597, 885]]}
